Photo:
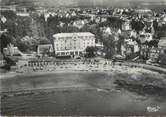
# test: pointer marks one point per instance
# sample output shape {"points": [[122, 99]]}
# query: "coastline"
{"points": [[125, 72], [118, 67], [17, 84], [53, 89]]}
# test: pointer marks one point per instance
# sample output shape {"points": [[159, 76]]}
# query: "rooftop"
{"points": [[44, 45], [73, 34]]}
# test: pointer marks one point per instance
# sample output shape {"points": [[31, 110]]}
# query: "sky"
{"points": [[103, 2], [92, 2]]}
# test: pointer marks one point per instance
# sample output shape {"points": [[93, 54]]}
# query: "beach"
{"points": [[109, 84], [118, 72], [84, 93]]}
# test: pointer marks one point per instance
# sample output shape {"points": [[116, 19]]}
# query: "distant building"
{"points": [[103, 19], [79, 24], [8, 8], [154, 55], [144, 52], [145, 37], [133, 33], [164, 19], [44, 50], [141, 11], [99, 47], [129, 48], [2, 61], [126, 26], [108, 31], [15, 53], [23, 14], [72, 44], [3, 19], [162, 43], [11, 50], [119, 31], [162, 47]]}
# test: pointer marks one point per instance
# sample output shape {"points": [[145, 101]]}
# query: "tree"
{"points": [[137, 25], [109, 45], [153, 43], [24, 47], [90, 52], [115, 22], [5, 39], [155, 25], [165, 10], [120, 42]]}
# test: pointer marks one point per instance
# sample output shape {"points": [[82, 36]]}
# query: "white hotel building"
{"points": [[72, 44]]}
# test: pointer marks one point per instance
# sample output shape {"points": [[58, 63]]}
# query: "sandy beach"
{"points": [[66, 86], [26, 79], [46, 77], [106, 66]]}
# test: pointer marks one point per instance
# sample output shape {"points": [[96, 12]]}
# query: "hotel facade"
{"points": [[72, 44]]}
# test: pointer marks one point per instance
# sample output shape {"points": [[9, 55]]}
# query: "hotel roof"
{"points": [[73, 34]]}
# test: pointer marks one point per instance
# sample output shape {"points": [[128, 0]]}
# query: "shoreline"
{"points": [[130, 75], [54, 89], [110, 68], [14, 74]]}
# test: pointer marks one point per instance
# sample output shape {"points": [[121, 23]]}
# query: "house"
{"points": [[164, 18], [162, 48], [143, 11], [11, 51], [145, 37], [23, 14], [79, 24], [133, 34], [72, 44], [144, 52], [154, 55], [126, 26], [99, 47], [73, 13], [15, 54], [107, 30], [119, 31], [2, 61], [44, 50], [130, 48], [8, 8], [103, 19], [3, 19]]}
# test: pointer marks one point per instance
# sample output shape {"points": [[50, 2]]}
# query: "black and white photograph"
{"points": [[82, 58]]}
